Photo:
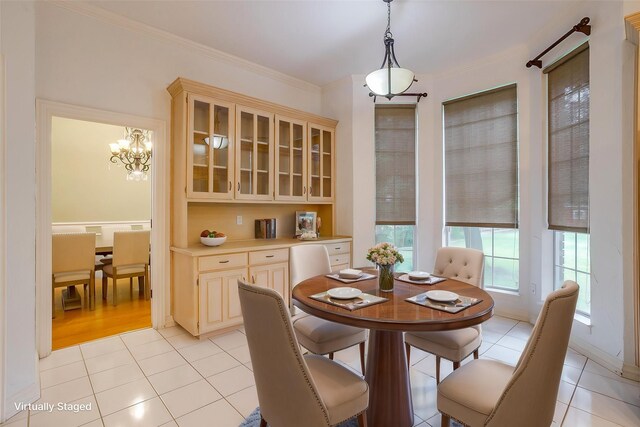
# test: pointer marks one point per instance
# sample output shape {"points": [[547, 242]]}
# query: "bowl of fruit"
{"points": [[212, 238]]}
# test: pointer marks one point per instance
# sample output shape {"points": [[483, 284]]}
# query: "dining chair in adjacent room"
{"points": [[130, 259], [462, 264], [318, 335], [494, 394], [295, 390], [73, 263]]}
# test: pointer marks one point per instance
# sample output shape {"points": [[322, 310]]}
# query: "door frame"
{"points": [[632, 23], [160, 303]]}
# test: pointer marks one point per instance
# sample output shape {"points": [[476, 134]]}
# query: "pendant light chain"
{"points": [[388, 33]]}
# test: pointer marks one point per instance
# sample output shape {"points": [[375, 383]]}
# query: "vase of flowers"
{"points": [[385, 256]]}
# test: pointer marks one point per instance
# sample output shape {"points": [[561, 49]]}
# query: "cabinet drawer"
{"points": [[222, 262], [268, 257], [340, 259], [338, 248]]}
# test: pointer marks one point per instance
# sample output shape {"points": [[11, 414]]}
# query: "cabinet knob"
{"points": [[269, 256], [238, 186], [304, 190], [230, 186], [223, 262]]}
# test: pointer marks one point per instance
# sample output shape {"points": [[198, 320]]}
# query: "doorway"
{"points": [[93, 192], [66, 137]]}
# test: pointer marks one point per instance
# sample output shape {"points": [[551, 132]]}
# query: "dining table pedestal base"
{"points": [[388, 378]]}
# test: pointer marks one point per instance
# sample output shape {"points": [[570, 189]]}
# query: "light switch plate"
{"points": [[239, 220]]}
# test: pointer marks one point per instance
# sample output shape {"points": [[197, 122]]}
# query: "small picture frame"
{"points": [[305, 221]]}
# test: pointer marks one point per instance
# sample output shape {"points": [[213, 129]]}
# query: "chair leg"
{"points": [[407, 347], [456, 365], [85, 294], [362, 420], [445, 420], [92, 291], [147, 283], [437, 369], [131, 287], [104, 286], [53, 303], [114, 279], [475, 353], [141, 285], [362, 357], [331, 355], [263, 423]]}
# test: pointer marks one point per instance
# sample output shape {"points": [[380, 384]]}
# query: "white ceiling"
{"points": [[322, 41]]}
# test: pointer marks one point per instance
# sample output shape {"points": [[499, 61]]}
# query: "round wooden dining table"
{"points": [[386, 369]]}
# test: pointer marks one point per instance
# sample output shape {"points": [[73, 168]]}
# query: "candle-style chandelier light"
{"points": [[134, 151]]}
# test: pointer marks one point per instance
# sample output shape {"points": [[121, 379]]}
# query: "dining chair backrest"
{"points": [[464, 264], [306, 261], [530, 396], [131, 248], [286, 391], [73, 252]]}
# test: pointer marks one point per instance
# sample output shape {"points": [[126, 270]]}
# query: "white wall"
{"points": [[17, 45], [610, 170], [85, 185], [127, 69]]}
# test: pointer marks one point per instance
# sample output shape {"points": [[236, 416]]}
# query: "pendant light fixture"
{"points": [[391, 79]]}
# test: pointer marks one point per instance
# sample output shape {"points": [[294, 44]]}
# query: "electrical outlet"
{"points": [[239, 220], [533, 288]]}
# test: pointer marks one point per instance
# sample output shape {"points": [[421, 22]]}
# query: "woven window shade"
{"points": [[395, 127], [481, 159], [568, 97]]}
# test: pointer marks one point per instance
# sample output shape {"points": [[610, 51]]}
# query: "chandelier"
{"points": [[134, 151], [391, 79]]}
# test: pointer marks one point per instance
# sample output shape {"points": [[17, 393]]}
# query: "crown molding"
{"points": [[633, 28], [133, 25]]}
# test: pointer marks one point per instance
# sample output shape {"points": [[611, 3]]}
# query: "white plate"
{"points": [[349, 273], [344, 293], [444, 296], [418, 275]]}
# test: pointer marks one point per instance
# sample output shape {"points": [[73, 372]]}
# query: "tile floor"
{"points": [[168, 378]]}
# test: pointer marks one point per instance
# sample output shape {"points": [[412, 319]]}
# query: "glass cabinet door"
{"points": [[210, 154], [290, 156], [254, 159], [321, 170]]}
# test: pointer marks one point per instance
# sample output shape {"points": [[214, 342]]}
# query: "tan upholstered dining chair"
{"points": [[462, 264], [295, 390], [492, 393], [317, 335], [130, 259], [73, 263]]}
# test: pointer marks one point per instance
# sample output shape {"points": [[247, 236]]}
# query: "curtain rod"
{"points": [[581, 27]]}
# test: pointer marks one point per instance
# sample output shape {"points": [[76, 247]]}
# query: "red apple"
{"points": [[205, 233]]}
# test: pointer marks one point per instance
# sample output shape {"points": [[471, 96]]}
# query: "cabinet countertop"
{"points": [[253, 245]]}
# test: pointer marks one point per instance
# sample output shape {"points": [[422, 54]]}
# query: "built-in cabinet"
{"points": [[244, 149], [229, 153], [205, 285]]}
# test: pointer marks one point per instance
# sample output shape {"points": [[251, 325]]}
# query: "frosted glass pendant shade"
{"points": [[378, 81]]}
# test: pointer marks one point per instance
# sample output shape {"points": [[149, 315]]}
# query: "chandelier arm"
{"points": [[393, 55]]}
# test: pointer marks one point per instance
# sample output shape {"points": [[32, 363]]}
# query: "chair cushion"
{"points": [[344, 393], [470, 393], [321, 336], [452, 345], [71, 276], [130, 269]]}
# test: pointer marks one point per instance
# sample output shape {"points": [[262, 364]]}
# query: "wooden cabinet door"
{"points": [[273, 276], [321, 170], [290, 159], [254, 154], [210, 148], [219, 301]]}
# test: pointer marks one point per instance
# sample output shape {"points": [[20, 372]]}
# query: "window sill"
{"points": [[503, 291], [582, 319]]}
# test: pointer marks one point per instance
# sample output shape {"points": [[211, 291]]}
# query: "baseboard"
{"points": [[168, 322], [631, 372], [27, 395], [512, 314], [585, 348]]}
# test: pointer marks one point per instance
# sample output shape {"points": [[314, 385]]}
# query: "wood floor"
{"points": [[81, 325]]}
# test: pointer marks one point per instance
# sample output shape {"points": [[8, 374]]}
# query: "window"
{"points": [[568, 171], [481, 181], [395, 142], [501, 253], [572, 261]]}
